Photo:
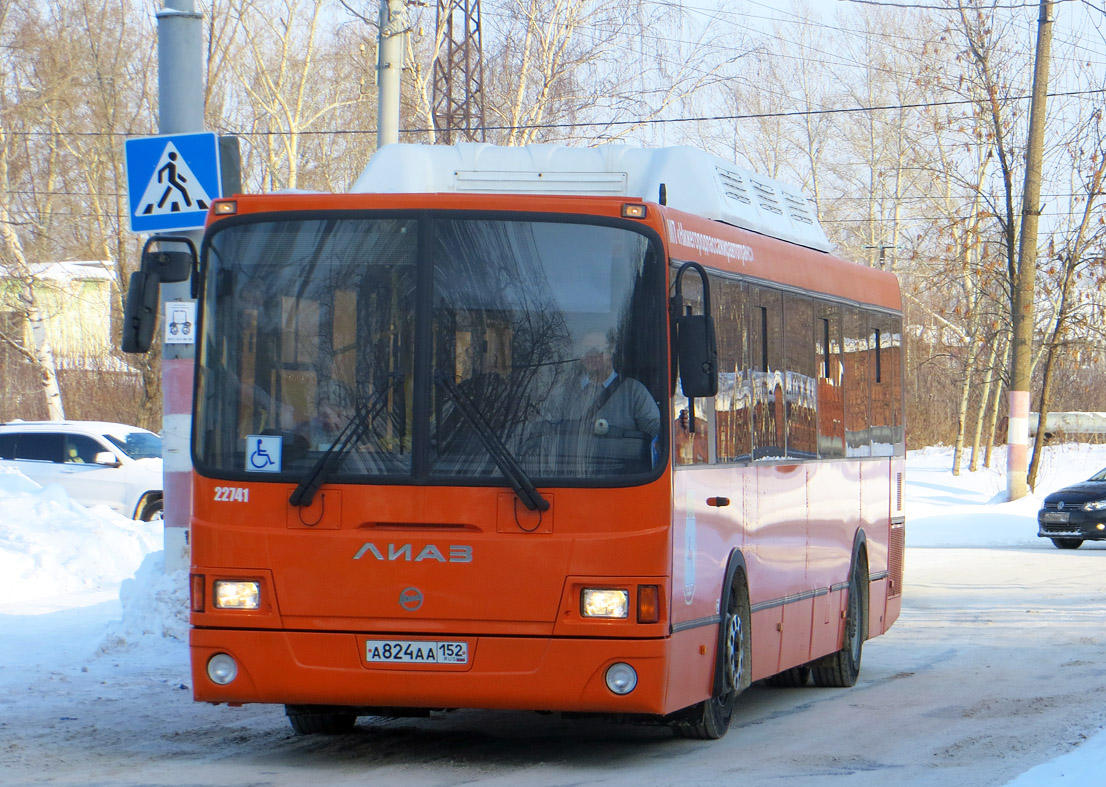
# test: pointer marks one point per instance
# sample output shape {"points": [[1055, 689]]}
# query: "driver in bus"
{"points": [[602, 403]]}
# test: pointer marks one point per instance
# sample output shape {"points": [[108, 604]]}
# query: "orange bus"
{"points": [[599, 431]]}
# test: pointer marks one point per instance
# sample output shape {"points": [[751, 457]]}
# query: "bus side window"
{"points": [[800, 387], [857, 362], [831, 397], [732, 422], [894, 365], [765, 318], [886, 337], [693, 447]]}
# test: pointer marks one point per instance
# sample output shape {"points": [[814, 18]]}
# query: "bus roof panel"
{"points": [[695, 182]]}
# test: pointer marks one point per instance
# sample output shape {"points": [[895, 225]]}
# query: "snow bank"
{"points": [[155, 609], [939, 503], [51, 546]]}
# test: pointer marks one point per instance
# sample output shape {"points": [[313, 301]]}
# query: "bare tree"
{"points": [[286, 72], [1078, 269]]}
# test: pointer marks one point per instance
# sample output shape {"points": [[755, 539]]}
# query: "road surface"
{"points": [[994, 666]]}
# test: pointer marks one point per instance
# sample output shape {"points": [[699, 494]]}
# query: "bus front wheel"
{"points": [[320, 719], [710, 719]]}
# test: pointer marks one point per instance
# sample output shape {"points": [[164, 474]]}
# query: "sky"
{"points": [[112, 607]]}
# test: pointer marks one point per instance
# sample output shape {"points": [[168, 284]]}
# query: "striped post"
{"points": [[177, 466], [1017, 442]]}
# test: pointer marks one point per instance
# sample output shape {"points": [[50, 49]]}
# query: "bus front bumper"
{"points": [[522, 673]]}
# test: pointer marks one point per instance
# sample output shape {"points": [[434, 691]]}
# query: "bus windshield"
{"points": [[429, 347]]}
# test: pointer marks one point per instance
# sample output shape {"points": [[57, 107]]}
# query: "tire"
{"points": [[1067, 543], [153, 511], [841, 669], [710, 719], [320, 719], [794, 678]]}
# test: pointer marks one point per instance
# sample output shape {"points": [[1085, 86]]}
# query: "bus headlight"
{"points": [[604, 603], [237, 594]]}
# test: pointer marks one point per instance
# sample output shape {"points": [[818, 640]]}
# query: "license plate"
{"points": [[401, 651], [1054, 516]]}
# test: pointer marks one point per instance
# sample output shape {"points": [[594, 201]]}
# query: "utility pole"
{"points": [[1021, 371], [389, 69], [459, 73], [180, 111]]}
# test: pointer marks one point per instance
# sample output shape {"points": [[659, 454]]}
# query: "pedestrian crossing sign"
{"points": [[172, 180]]}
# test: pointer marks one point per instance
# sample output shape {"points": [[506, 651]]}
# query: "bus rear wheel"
{"points": [[710, 719], [841, 669], [320, 719]]}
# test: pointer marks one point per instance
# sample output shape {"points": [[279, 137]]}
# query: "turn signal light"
{"points": [[197, 592], [648, 604]]}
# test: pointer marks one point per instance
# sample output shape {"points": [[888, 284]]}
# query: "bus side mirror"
{"points": [[170, 266], [696, 347], [140, 312], [697, 351], [159, 264]]}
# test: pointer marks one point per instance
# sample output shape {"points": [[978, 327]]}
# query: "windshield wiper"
{"points": [[505, 460], [352, 431]]}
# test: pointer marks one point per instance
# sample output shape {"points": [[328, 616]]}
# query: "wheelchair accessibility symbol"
{"points": [[263, 453]]}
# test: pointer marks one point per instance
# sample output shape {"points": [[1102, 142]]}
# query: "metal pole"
{"points": [[180, 110], [393, 27]]}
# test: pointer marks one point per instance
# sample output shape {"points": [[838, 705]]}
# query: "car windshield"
{"points": [[138, 445], [1099, 476], [391, 326]]}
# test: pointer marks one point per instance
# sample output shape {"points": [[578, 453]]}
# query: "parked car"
{"points": [[95, 462], [1075, 514]]}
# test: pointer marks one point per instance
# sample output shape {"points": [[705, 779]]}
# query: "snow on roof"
{"points": [[694, 181], [73, 270]]}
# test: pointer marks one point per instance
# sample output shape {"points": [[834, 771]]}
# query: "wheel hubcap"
{"points": [[735, 654]]}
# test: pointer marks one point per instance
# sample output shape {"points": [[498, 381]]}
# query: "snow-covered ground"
{"points": [[87, 587]]}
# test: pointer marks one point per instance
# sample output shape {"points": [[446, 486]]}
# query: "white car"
{"points": [[95, 462]]}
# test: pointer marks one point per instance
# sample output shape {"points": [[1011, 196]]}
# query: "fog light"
{"points": [[233, 594], [604, 603], [222, 669], [621, 678], [1100, 526]]}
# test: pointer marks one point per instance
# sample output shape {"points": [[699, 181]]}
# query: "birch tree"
{"points": [[1077, 271], [291, 87], [24, 95]]}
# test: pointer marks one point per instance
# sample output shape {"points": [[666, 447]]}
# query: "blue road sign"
{"points": [[171, 180]]}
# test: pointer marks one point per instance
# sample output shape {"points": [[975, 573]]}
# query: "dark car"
{"points": [[1075, 514]]}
